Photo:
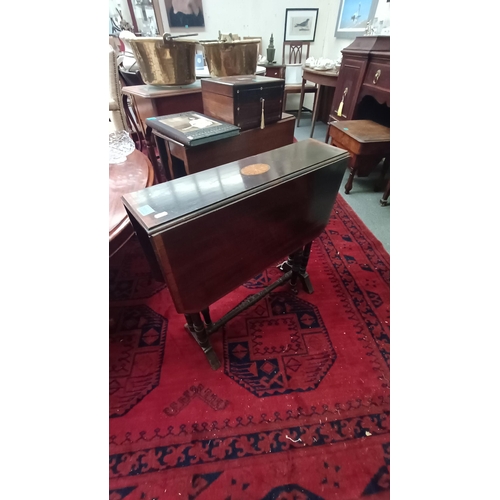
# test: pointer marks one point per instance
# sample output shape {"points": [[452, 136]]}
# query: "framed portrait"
{"points": [[185, 13], [353, 16], [300, 25]]}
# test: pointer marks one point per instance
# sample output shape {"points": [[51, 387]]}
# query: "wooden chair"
{"points": [[367, 143], [116, 110], [128, 78], [295, 52]]}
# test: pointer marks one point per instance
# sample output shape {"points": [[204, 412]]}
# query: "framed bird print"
{"points": [[353, 17], [300, 25]]}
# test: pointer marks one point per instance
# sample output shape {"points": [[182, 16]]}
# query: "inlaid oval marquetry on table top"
{"points": [[132, 175]]}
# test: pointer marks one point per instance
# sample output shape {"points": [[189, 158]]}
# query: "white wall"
{"points": [[262, 17], [258, 18]]}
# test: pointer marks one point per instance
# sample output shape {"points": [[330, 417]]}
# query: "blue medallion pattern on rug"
{"points": [[279, 346], [137, 343]]}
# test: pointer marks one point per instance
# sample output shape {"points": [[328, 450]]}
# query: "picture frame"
{"points": [[300, 25], [353, 16], [191, 17]]}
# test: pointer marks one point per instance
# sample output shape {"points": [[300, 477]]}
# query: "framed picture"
{"points": [[190, 14], [300, 25], [353, 16]]}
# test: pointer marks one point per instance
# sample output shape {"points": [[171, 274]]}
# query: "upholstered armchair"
{"points": [[116, 111]]}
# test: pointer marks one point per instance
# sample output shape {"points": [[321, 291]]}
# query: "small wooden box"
{"points": [[237, 99]]}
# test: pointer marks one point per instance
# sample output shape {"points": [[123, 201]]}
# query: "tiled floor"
{"points": [[362, 198]]}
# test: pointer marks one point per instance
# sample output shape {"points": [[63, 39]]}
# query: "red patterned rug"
{"points": [[300, 408]]}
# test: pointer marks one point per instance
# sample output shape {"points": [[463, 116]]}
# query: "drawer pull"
{"points": [[377, 76]]}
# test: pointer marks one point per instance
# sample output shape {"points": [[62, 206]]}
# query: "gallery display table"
{"points": [[206, 234], [178, 159]]}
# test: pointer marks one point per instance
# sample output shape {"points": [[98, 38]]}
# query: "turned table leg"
{"points": [[206, 316], [384, 201], [301, 103], [352, 168], [348, 185], [304, 276], [385, 169], [380, 183], [294, 262], [297, 263], [148, 138], [197, 329], [317, 97]]}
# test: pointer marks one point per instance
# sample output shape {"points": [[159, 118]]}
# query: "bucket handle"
{"points": [[168, 36]]}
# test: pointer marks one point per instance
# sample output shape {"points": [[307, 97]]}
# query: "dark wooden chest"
{"points": [[239, 99]]}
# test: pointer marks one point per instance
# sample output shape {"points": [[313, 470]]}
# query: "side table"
{"points": [[322, 79], [367, 143], [150, 100], [183, 160], [275, 70]]}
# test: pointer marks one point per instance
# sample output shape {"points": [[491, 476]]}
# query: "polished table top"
{"points": [[155, 91], [168, 204], [328, 73], [204, 73], [133, 174]]}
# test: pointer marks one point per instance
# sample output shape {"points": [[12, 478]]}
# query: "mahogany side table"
{"points": [[366, 142]]}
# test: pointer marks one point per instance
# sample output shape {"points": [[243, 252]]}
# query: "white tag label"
{"points": [[161, 214]]}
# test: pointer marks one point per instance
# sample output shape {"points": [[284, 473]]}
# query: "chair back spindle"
{"points": [[295, 52]]}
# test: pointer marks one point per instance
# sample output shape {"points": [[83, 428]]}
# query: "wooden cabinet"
{"points": [[347, 89], [365, 71], [377, 81], [378, 75], [275, 70]]}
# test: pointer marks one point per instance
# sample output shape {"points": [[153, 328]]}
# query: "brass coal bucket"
{"points": [[165, 61], [231, 58]]}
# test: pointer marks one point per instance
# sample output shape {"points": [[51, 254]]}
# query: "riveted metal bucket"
{"points": [[165, 61], [231, 58]]}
